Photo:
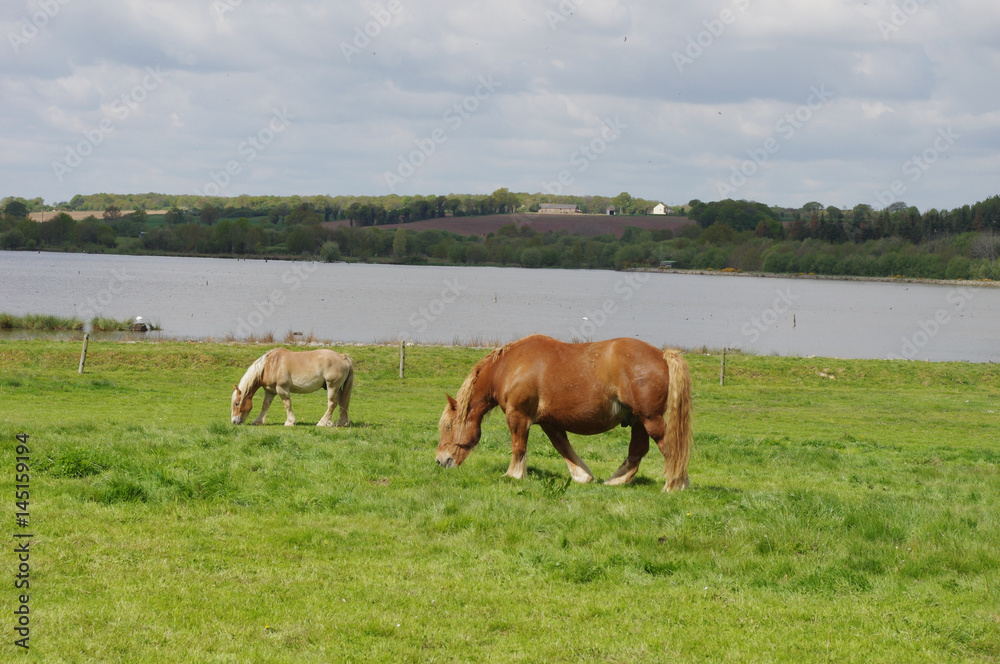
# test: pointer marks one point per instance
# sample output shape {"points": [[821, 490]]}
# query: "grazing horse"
{"points": [[583, 388], [283, 372]]}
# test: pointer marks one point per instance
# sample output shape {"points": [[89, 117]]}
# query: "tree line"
{"points": [[963, 243], [857, 225], [360, 210]]}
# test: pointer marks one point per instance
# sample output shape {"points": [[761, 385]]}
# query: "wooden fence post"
{"points": [[722, 372], [83, 353], [402, 357]]}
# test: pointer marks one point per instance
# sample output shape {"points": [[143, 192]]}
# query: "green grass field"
{"points": [[842, 511]]}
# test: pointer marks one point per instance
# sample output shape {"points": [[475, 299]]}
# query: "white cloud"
{"points": [[563, 67]]}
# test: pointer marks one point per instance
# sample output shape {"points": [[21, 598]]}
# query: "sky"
{"points": [[778, 101]]}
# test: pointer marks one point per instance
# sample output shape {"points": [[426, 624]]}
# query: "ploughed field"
{"points": [[838, 510], [587, 225]]}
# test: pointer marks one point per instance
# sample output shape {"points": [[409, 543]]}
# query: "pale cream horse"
{"points": [[283, 372]]}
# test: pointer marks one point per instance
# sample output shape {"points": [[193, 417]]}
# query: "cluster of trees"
{"points": [[857, 225], [966, 256], [374, 213], [511, 245]]}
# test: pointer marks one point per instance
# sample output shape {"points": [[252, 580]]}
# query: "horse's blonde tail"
{"points": [[678, 416], [345, 390]]}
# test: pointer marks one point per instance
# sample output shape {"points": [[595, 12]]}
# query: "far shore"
{"points": [[985, 283]]}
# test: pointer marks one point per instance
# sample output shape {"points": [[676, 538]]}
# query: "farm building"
{"points": [[558, 208]]}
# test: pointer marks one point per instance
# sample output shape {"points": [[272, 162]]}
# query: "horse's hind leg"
{"points": [[577, 468], [674, 468], [637, 448], [286, 400], [331, 401], [345, 399]]}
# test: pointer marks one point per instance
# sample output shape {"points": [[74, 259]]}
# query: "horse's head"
{"points": [[459, 435], [241, 405]]}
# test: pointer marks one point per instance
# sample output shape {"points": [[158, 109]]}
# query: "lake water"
{"points": [[208, 297]]}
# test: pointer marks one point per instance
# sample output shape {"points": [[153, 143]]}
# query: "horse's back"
{"points": [[583, 387], [605, 362], [306, 371]]}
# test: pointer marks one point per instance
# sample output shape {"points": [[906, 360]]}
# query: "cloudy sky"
{"points": [[779, 101]]}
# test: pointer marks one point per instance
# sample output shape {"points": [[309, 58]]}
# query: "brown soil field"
{"points": [[587, 225], [81, 214]]}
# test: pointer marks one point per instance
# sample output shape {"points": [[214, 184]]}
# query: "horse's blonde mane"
{"points": [[254, 374], [464, 397]]}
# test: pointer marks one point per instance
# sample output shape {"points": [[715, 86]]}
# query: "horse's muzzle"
{"points": [[445, 460]]}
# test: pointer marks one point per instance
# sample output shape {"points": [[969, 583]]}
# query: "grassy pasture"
{"points": [[839, 511]]}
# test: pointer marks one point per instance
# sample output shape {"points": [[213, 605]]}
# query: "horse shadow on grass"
{"points": [[554, 478], [355, 424], [553, 481]]}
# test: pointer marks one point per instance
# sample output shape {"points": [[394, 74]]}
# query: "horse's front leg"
{"points": [[268, 397], [577, 468], [286, 400], [637, 448], [518, 425]]}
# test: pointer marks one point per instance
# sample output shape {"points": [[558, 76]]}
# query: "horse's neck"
{"points": [[253, 379], [252, 387], [482, 399]]}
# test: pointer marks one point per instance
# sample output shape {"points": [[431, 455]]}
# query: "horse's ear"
{"points": [[236, 387], [451, 402]]}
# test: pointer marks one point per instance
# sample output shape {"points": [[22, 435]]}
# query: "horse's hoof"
{"points": [[676, 485]]}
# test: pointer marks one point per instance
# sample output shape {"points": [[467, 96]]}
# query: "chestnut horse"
{"points": [[582, 388], [283, 372]]}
